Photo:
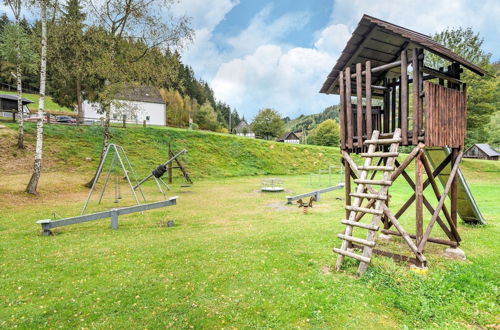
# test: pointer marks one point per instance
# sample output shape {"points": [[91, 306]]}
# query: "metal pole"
{"points": [[168, 162], [132, 170], [126, 175], [159, 187], [107, 178], [96, 178]]}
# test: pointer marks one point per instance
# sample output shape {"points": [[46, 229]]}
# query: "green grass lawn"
{"points": [[49, 103], [237, 258]]}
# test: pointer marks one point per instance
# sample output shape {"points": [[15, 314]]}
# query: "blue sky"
{"points": [[258, 54]]}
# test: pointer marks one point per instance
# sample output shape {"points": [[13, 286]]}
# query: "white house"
{"points": [[243, 129], [136, 104]]}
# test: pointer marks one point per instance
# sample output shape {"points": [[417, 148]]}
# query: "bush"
{"points": [[326, 134]]}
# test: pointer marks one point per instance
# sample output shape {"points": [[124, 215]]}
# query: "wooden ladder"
{"points": [[356, 211]]}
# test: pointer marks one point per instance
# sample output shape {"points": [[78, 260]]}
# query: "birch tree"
{"points": [[16, 6], [37, 166]]}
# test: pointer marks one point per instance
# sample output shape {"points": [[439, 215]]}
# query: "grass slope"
{"points": [[50, 105], [209, 154]]}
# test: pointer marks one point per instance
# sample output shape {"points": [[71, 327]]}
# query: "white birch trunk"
{"points": [[20, 117], [37, 167]]}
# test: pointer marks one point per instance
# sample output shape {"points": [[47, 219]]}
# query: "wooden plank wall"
{"points": [[446, 116]]}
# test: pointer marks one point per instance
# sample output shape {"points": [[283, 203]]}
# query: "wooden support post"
{"points": [[359, 104], [342, 110], [368, 95], [419, 195], [454, 189], [393, 105], [387, 110], [404, 98], [124, 118], [348, 107], [347, 185], [416, 96]]}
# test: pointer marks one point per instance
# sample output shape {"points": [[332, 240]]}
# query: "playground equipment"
{"points": [[316, 193], [272, 185], [307, 205], [330, 171], [126, 168], [378, 132], [179, 166], [158, 172]]}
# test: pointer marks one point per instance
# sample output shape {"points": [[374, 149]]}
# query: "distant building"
{"points": [[136, 104], [8, 106], [289, 137], [481, 151], [243, 129]]}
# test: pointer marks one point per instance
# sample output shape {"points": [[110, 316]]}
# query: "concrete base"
{"points": [[385, 237], [456, 253]]}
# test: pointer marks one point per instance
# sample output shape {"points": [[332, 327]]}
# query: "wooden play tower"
{"points": [[390, 98]]}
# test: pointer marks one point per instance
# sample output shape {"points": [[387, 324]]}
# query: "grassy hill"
{"points": [[50, 105], [209, 154], [311, 121]]}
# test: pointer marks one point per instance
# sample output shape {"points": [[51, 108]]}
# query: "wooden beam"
{"points": [[416, 96], [348, 106], [387, 110], [447, 187], [430, 239], [419, 196], [342, 111], [393, 105], [441, 75], [368, 93], [359, 104], [454, 190], [404, 98]]}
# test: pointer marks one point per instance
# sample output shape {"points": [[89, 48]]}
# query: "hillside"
{"points": [[311, 121], [209, 154], [50, 105]]}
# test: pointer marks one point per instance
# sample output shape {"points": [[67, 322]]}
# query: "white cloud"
{"points": [[259, 32], [333, 38], [206, 15]]}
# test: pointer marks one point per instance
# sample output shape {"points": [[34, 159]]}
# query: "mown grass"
{"points": [[50, 105], [237, 258]]}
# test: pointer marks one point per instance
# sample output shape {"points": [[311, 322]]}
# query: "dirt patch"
{"points": [[278, 206], [326, 270]]}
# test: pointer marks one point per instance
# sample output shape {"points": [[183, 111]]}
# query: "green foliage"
{"points": [[309, 122], [268, 124], [206, 117], [12, 37], [326, 134]]}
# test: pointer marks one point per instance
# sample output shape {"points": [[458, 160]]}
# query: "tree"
{"points": [[16, 42], [37, 166], [268, 124], [206, 118], [480, 90], [144, 22], [326, 134]]}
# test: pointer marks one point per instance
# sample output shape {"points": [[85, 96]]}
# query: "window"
{"points": [[115, 116], [147, 118]]}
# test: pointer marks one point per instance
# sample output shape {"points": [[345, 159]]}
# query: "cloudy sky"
{"points": [[277, 53]]}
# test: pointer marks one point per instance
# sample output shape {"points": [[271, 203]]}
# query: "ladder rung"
{"points": [[363, 209], [369, 196], [360, 225], [352, 255], [356, 240], [376, 168], [383, 141], [376, 182], [380, 154]]}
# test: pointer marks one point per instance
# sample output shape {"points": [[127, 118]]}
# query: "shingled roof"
{"points": [[141, 94], [487, 149], [381, 43]]}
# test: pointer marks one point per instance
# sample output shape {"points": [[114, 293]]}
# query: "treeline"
{"points": [[79, 67]]}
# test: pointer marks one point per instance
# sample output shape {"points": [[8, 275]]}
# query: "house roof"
{"points": [[242, 124], [286, 135], [381, 42], [141, 94], [487, 149], [14, 98]]}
